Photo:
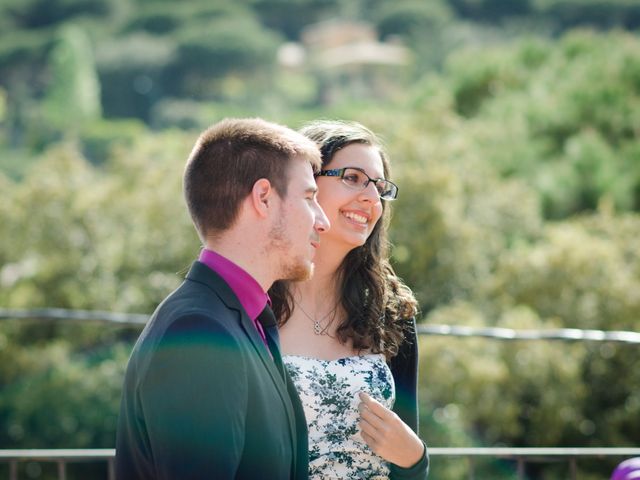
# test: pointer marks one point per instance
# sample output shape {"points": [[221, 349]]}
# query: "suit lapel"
{"points": [[277, 376], [202, 274]]}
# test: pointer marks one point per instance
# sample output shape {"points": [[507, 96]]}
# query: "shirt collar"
{"points": [[249, 292]]}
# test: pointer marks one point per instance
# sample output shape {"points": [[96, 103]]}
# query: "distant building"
{"points": [[348, 60]]}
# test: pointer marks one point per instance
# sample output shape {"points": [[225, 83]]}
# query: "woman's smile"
{"points": [[359, 218]]}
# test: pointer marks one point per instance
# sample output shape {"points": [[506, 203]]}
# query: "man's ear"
{"points": [[262, 196]]}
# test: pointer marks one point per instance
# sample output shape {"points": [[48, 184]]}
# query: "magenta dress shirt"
{"points": [[252, 298]]}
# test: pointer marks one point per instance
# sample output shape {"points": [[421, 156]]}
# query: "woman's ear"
{"points": [[262, 196]]}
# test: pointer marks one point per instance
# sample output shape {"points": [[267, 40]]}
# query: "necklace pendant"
{"points": [[317, 329]]}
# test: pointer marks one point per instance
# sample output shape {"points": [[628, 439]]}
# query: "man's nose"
{"points": [[322, 223]]}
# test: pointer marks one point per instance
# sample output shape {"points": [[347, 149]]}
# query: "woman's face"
{"points": [[352, 213]]}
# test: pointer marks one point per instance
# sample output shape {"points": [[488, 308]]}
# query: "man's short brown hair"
{"points": [[227, 160]]}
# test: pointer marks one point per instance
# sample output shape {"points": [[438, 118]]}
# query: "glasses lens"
{"points": [[382, 187], [359, 180], [354, 178], [387, 190]]}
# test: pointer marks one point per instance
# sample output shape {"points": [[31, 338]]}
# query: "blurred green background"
{"points": [[513, 128]]}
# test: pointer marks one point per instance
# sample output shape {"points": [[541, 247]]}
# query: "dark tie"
{"points": [[270, 326]]}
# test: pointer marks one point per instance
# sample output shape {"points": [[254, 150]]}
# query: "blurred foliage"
{"points": [[562, 115], [73, 97], [514, 142], [59, 393], [291, 16], [596, 13]]}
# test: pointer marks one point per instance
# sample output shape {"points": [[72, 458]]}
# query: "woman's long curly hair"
{"points": [[379, 306]]}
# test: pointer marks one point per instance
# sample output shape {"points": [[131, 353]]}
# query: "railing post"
{"points": [[521, 465], [472, 470], [573, 466], [112, 469], [13, 470], [62, 470]]}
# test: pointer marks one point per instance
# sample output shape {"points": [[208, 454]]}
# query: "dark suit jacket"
{"points": [[203, 398]]}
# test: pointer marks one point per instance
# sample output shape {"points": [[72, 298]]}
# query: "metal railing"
{"points": [[139, 319], [521, 456], [497, 333], [60, 457]]}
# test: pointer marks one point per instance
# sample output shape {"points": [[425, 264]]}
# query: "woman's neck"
{"points": [[322, 290], [311, 330]]}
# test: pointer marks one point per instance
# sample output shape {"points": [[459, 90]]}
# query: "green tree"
{"points": [[561, 118], [604, 14], [209, 52], [421, 25], [73, 97]]}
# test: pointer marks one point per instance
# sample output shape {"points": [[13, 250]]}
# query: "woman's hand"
{"points": [[387, 435]]}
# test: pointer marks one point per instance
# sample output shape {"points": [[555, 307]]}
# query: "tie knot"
{"points": [[266, 318]]}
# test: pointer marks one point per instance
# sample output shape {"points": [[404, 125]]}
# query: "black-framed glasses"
{"points": [[356, 178]]}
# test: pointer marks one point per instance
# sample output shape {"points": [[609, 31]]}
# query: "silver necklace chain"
{"points": [[318, 329]]}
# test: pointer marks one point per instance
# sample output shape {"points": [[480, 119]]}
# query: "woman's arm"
{"points": [[394, 434], [404, 367], [387, 435]]}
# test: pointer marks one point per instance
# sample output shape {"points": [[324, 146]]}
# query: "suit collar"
{"points": [[200, 273], [250, 293]]}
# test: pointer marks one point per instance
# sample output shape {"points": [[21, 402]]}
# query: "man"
{"points": [[205, 393]]}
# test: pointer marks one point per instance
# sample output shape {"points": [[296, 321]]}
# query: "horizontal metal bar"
{"points": [[139, 319], [502, 452], [58, 454], [567, 334], [136, 319], [532, 452]]}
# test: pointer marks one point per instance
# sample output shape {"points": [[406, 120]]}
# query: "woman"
{"points": [[348, 334]]}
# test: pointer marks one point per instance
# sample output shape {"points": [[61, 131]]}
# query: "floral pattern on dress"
{"points": [[329, 391]]}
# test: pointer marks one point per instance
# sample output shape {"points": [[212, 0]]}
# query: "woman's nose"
{"points": [[370, 193]]}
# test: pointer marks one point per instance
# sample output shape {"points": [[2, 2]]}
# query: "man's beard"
{"points": [[295, 269]]}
